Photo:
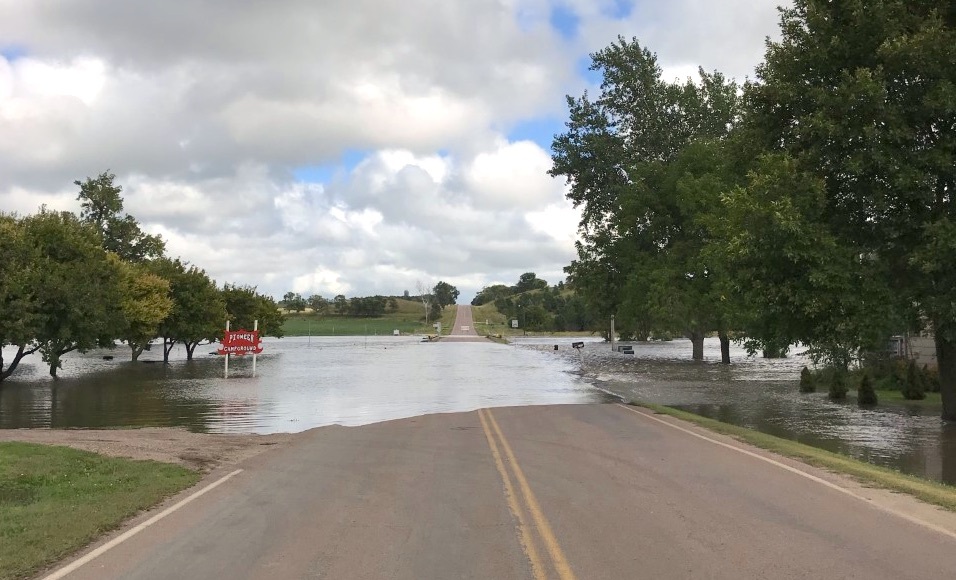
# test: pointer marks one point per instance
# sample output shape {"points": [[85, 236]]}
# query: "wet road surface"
{"points": [[563, 491], [464, 329]]}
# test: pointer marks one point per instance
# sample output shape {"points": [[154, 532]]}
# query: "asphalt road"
{"points": [[568, 491], [464, 329]]}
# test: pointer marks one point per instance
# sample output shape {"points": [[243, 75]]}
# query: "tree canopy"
{"points": [[813, 205]]}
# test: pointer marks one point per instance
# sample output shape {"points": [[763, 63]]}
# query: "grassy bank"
{"points": [[306, 324], [928, 491], [933, 400], [55, 500], [408, 319]]}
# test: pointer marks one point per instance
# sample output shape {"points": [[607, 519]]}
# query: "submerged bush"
{"points": [[808, 384], [865, 395], [931, 379], [913, 388], [838, 388]]}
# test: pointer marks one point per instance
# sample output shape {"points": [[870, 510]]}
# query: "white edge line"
{"points": [[139, 528], [801, 473]]}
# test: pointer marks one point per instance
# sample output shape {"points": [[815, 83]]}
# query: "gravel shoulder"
{"points": [[200, 451]]}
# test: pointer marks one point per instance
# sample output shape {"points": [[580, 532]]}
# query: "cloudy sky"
{"points": [[331, 146]]}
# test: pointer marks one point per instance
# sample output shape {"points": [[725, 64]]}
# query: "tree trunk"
{"points": [[21, 352], [190, 348], [946, 359], [724, 347], [697, 339], [54, 365], [136, 350], [167, 348]]}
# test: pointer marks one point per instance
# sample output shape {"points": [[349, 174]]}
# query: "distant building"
{"points": [[920, 348]]}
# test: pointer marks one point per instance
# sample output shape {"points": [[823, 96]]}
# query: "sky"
{"points": [[351, 147]]}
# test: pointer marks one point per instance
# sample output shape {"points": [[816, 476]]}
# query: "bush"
{"points": [[838, 388], [865, 395], [931, 378], [913, 388], [808, 384]]}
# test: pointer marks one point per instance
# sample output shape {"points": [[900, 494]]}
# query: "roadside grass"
{"points": [[896, 398], [55, 500], [929, 491], [306, 324], [488, 321], [448, 316], [408, 318]]}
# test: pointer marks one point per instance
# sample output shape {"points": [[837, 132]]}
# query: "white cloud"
{"points": [[204, 109]]}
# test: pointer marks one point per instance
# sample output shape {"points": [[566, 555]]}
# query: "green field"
{"points": [[55, 500], [409, 319], [896, 397]]}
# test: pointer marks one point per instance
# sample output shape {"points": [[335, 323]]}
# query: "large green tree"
{"points": [[198, 311], [102, 207], [146, 303], [491, 293], [19, 313], [861, 95], [77, 289], [643, 162], [445, 294], [244, 305]]}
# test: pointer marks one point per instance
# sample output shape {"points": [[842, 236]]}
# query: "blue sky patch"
{"points": [[593, 77], [12, 52], [326, 172], [619, 9], [540, 130], [565, 21]]}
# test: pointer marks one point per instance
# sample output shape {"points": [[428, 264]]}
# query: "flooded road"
{"points": [[302, 383], [299, 384], [762, 394]]}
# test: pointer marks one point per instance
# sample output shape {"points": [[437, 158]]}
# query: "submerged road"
{"points": [[565, 492]]}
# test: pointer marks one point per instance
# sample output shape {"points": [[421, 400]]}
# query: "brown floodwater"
{"points": [[303, 383], [763, 394], [300, 383]]}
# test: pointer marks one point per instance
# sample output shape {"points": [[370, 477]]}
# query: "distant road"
{"points": [[561, 492], [464, 330]]}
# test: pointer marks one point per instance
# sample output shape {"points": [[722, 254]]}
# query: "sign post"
{"points": [[226, 372], [240, 342]]}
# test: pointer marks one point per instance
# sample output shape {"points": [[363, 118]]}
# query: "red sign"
{"points": [[240, 342]]}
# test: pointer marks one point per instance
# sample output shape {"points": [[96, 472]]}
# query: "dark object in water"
{"points": [[577, 345], [108, 357]]}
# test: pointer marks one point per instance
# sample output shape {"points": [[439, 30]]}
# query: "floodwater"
{"points": [[303, 383], [300, 383], [763, 394]]}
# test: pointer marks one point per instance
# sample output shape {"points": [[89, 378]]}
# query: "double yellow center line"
{"points": [[525, 502]]}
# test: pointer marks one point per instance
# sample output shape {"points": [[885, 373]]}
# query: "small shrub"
{"points": [[865, 395], [931, 376], [838, 388], [808, 383], [913, 389]]}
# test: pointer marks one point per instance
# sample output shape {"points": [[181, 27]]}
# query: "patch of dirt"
{"points": [[198, 451]]}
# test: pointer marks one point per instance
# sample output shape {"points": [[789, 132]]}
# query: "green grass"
{"points": [[409, 319], [304, 324], [896, 397], [448, 316], [929, 491], [55, 500]]}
